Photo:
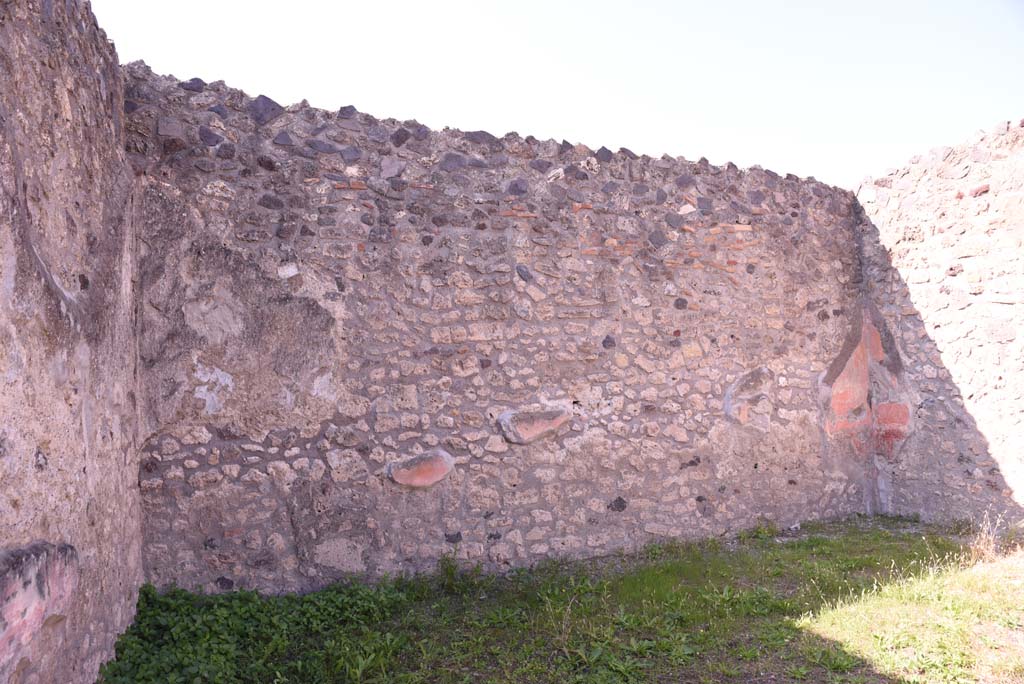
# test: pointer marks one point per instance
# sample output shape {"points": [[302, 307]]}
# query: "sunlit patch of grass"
{"points": [[942, 625]]}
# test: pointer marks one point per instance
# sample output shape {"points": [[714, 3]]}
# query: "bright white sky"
{"points": [[831, 88]]}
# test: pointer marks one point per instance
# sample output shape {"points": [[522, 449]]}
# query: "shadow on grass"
{"points": [[709, 612]]}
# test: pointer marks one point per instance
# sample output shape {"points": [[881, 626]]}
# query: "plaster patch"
{"points": [[216, 380], [216, 317], [341, 554]]}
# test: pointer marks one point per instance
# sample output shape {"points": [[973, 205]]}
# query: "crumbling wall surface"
{"points": [[944, 246], [70, 551], [367, 344]]}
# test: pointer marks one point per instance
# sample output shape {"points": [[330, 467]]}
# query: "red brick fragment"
{"points": [[422, 470], [524, 427]]}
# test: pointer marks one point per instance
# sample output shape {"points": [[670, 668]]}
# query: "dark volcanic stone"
{"points": [[379, 234], [226, 151], [399, 137], [271, 202], [347, 112], [481, 138], [705, 204], [685, 180], [660, 196], [130, 106], [208, 137], [452, 161], [265, 162], [321, 146], [378, 134], [603, 154], [195, 85], [608, 342], [173, 145], [351, 154], [566, 146], [609, 187], [421, 132], [518, 187], [628, 152], [680, 303], [658, 239], [617, 505], [284, 139], [453, 537], [263, 110], [541, 165], [524, 273], [220, 110], [673, 219]]}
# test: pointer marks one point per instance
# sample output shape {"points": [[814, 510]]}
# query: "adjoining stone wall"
{"points": [[946, 264], [367, 344], [69, 502], [37, 584]]}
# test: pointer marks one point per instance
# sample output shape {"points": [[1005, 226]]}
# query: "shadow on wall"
{"points": [[946, 262], [890, 401]]}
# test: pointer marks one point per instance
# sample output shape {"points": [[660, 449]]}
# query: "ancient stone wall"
{"points": [[367, 344], [251, 346], [70, 538], [945, 245]]}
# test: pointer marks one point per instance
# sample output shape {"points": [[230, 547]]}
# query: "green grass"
{"points": [[862, 601]]}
